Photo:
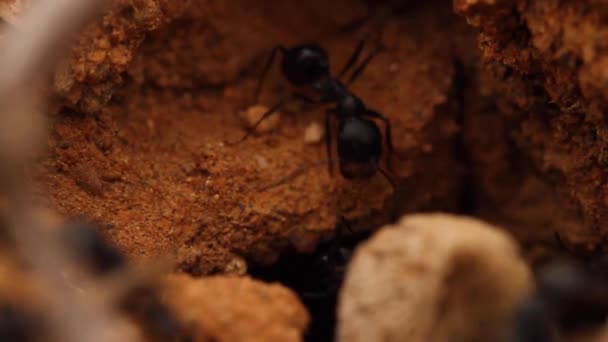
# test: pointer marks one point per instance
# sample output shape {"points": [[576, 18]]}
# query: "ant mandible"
{"points": [[308, 65]]}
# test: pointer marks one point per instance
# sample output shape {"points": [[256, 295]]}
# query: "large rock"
{"points": [[432, 277]]}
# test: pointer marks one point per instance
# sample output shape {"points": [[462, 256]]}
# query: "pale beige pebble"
{"points": [[229, 308], [314, 133], [97, 56], [236, 266], [433, 277], [254, 113]]}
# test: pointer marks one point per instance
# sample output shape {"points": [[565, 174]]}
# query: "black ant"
{"points": [[569, 298], [359, 152], [308, 65]]}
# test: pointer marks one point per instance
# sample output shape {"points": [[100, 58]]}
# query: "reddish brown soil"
{"points": [[153, 166], [548, 74], [509, 127]]}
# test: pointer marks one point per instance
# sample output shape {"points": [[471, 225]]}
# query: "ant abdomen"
{"points": [[359, 147]]}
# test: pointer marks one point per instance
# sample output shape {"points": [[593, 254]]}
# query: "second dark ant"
{"points": [[569, 298], [317, 278], [308, 65]]}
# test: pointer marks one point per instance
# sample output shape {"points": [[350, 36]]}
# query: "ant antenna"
{"points": [[361, 67], [353, 59], [302, 170], [269, 62]]}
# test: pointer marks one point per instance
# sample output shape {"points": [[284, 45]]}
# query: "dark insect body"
{"points": [[359, 139], [569, 298]]}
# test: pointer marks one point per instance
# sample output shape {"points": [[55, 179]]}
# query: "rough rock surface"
{"points": [[236, 309], [548, 61], [432, 277]]}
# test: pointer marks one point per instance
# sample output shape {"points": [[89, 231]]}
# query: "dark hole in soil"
{"points": [[316, 279]]}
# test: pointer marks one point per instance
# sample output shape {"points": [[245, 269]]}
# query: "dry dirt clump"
{"points": [[433, 277], [236, 309], [90, 76], [153, 166], [548, 72]]}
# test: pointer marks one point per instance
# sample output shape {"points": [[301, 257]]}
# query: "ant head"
{"points": [[359, 147], [304, 64]]}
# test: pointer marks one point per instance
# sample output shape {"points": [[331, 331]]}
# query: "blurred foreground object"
{"points": [[29, 51], [231, 309], [432, 277]]}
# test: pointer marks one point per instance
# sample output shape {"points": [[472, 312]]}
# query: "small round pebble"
{"points": [[314, 133], [254, 113]]}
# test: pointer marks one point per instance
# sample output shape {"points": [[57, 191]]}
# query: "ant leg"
{"points": [[343, 222], [275, 50], [388, 177], [304, 98], [265, 116], [388, 137], [352, 60], [270, 111], [328, 138], [361, 67], [328, 135]]}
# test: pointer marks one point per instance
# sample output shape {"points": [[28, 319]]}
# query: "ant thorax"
{"points": [[330, 89], [349, 106]]}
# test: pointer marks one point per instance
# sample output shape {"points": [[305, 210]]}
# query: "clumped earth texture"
{"points": [[497, 110]]}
